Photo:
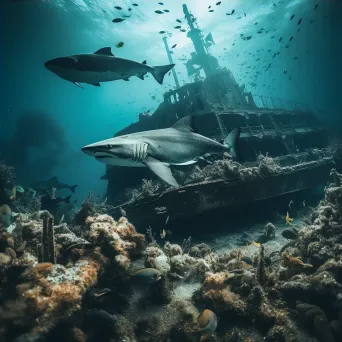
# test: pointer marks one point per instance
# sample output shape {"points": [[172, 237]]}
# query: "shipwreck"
{"points": [[284, 147]]}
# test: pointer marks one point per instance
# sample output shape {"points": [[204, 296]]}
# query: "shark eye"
{"points": [[109, 146]]}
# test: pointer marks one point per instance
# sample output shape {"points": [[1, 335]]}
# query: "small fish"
{"points": [[173, 46], [5, 215], [117, 20], [183, 30], [163, 234], [162, 32], [178, 27], [291, 38], [119, 45], [233, 11], [136, 5], [160, 3], [118, 8], [211, 10], [166, 11], [208, 324], [288, 219], [209, 7], [280, 39], [315, 7], [167, 220], [146, 276], [218, 3], [292, 16], [256, 244], [159, 12], [299, 21], [178, 21]]}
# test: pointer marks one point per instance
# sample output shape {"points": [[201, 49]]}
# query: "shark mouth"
{"points": [[103, 157]]}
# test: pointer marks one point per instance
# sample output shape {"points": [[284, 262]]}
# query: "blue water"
{"points": [[34, 31]]}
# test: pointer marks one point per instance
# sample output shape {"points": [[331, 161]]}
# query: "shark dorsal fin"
{"points": [[107, 51], [185, 124], [144, 62]]}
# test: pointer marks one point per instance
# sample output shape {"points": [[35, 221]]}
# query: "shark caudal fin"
{"points": [[233, 142], [160, 71], [72, 188]]}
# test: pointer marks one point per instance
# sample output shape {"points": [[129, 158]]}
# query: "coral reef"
{"points": [[78, 282]]}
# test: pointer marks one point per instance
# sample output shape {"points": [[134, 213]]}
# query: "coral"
{"points": [[217, 294], [117, 238], [125, 330], [312, 314], [172, 249], [269, 231], [48, 253], [200, 251], [51, 292], [261, 273]]}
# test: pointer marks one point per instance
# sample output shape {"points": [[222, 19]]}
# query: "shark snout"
{"points": [[96, 150], [89, 150]]}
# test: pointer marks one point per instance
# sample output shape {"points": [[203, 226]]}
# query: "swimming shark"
{"points": [[102, 66], [158, 149], [52, 182]]}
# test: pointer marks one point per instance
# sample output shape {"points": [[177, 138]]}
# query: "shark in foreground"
{"points": [[158, 149], [102, 66]]}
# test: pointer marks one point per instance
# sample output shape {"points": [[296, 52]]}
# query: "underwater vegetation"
{"points": [[95, 278]]}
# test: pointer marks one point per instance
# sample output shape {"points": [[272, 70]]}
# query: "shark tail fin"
{"points": [[233, 142], [159, 72], [72, 188]]}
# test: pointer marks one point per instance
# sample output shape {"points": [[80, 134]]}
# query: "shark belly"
{"points": [[92, 77]]}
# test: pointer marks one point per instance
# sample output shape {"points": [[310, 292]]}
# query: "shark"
{"points": [[158, 149], [53, 182], [102, 66]]}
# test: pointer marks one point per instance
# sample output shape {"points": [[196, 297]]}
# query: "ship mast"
{"points": [[203, 58], [168, 52]]}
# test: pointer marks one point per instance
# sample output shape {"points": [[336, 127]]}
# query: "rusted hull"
{"points": [[195, 199]]}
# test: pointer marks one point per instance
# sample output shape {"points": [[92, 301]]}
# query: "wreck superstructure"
{"points": [[270, 127]]}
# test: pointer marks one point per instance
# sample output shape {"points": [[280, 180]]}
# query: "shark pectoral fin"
{"points": [[107, 51], [126, 79], [162, 170], [78, 85], [141, 76], [96, 84]]}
